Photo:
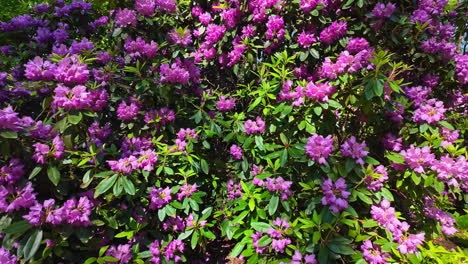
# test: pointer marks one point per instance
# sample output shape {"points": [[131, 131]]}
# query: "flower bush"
{"points": [[263, 131]]}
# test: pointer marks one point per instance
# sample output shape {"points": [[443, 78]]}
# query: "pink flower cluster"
{"points": [[385, 215], [145, 160], [446, 220], [275, 185], [372, 253], [351, 148], [257, 126], [319, 148], [335, 195], [170, 251], [418, 158]]}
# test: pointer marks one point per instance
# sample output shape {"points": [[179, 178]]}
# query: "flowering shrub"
{"points": [[246, 131]]}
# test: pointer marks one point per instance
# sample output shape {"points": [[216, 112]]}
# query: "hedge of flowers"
{"points": [[262, 131]]}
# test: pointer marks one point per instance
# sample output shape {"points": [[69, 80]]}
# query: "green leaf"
{"points": [[194, 240], [446, 124], [252, 204], [364, 198], [204, 166], [54, 175], [264, 241], [259, 142], [32, 245], [416, 179], [273, 205], [105, 185], [259, 226], [18, 227], [254, 104], [318, 110], [34, 172], [334, 104], [237, 249], [128, 185], [75, 119], [9, 134], [387, 194]]}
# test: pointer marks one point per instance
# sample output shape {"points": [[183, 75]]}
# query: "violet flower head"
{"points": [[275, 28], [351, 148], [40, 70], [333, 32], [12, 172], [186, 191], [82, 46], [128, 111], [431, 111], [319, 91], [77, 97], [145, 7], [124, 165], [335, 195], [236, 152], [305, 39], [180, 38], [71, 71], [257, 126], [225, 104], [410, 244], [166, 5], [234, 190], [382, 10], [125, 17], [6, 257], [319, 148], [122, 252], [373, 254], [13, 198], [461, 68], [172, 250], [445, 219], [77, 212], [298, 258], [376, 179], [159, 197], [418, 158], [391, 142]]}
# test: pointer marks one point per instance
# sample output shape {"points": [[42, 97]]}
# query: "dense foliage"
{"points": [[262, 131]]}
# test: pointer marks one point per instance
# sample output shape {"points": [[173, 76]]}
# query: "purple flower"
{"points": [[279, 185], [305, 39], [160, 117], [410, 244], [145, 7], [382, 10], [431, 111], [174, 247], [275, 26], [278, 234], [166, 5], [174, 73], [376, 179], [297, 258], [128, 111], [335, 195], [40, 70], [77, 212], [174, 224], [257, 126], [139, 47], [125, 17], [134, 145], [308, 5], [147, 160], [319, 91], [355, 45], [6, 257], [43, 35], [418, 158], [225, 104], [124, 165], [373, 254], [159, 197], [333, 32], [79, 47], [77, 97], [391, 142], [454, 172], [234, 190], [255, 238], [71, 71], [9, 119], [12, 172], [236, 152], [319, 148], [214, 33], [44, 213], [187, 134], [351, 148], [13, 198], [461, 68], [179, 37], [155, 252], [122, 252], [186, 191], [446, 220]]}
